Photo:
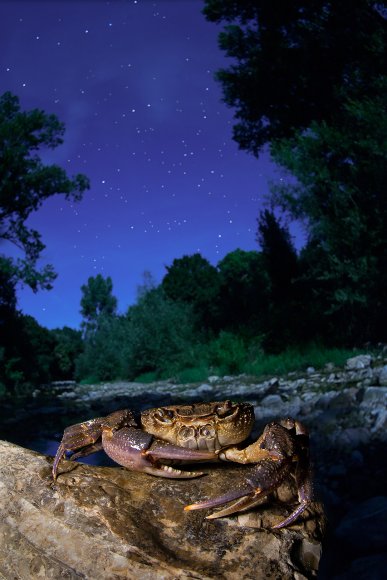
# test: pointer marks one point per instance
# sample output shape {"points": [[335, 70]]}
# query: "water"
{"points": [[37, 421]]}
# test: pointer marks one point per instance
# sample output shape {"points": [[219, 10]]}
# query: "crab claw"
{"points": [[278, 448], [135, 449], [259, 481]]}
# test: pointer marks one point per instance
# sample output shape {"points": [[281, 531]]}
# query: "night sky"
{"points": [[133, 81]]}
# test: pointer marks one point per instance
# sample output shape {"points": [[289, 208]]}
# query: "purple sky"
{"points": [[133, 81]]}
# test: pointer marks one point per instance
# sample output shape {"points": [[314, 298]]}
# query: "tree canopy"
{"points": [[310, 80], [97, 301], [294, 61], [26, 182]]}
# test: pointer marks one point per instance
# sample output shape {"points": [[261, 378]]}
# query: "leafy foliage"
{"points": [[193, 280], [159, 335], [68, 346], [97, 302], [342, 172], [292, 61], [32, 355], [25, 183], [243, 293], [309, 79], [102, 356]]}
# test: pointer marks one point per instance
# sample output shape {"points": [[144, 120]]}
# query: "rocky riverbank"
{"points": [[108, 523], [346, 412]]}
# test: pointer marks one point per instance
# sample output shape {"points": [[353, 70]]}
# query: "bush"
{"points": [[159, 335], [102, 359], [192, 375], [227, 353], [297, 359]]}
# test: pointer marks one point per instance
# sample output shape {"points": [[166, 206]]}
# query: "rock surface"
{"points": [[100, 522], [344, 408]]}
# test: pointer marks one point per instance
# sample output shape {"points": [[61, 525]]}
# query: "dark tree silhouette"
{"points": [[25, 183]]}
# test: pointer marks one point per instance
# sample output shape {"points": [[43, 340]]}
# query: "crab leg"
{"points": [[262, 479], [85, 438], [82, 436], [274, 453], [305, 492]]}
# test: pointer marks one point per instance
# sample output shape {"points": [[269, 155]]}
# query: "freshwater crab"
{"points": [[201, 432]]}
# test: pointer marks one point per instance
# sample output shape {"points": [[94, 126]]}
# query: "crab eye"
{"points": [[225, 409], [207, 431], [187, 433], [164, 415]]}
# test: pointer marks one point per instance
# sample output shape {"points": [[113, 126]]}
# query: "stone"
{"points": [[204, 389], [382, 376], [363, 361], [351, 437], [272, 401], [99, 522], [380, 425], [375, 396], [213, 379], [273, 385]]}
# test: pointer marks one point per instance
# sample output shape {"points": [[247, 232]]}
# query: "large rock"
{"points": [[99, 522]]}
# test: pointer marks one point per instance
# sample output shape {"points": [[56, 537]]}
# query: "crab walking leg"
{"points": [[260, 481], [130, 447], [85, 438], [82, 436], [305, 493], [87, 451]]}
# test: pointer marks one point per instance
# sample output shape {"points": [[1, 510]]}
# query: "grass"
{"points": [[297, 360], [230, 357], [264, 365]]}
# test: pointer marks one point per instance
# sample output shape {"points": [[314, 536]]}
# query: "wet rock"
{"points": [[99, 523], [351, 437]]}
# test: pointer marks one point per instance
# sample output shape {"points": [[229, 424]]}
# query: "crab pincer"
{"points": [[274, 453], [197, 432], [127, 444]]}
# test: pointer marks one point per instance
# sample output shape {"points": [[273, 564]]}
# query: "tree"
{"points": [[310, 80], [278, 253], [193, 280], [340, 195], [68, 346], [293, 61], [25, 183], [244, 292], [26, 355], [97, 302], [281, 263], [7, 292], [103, 357], [159, 335]]}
